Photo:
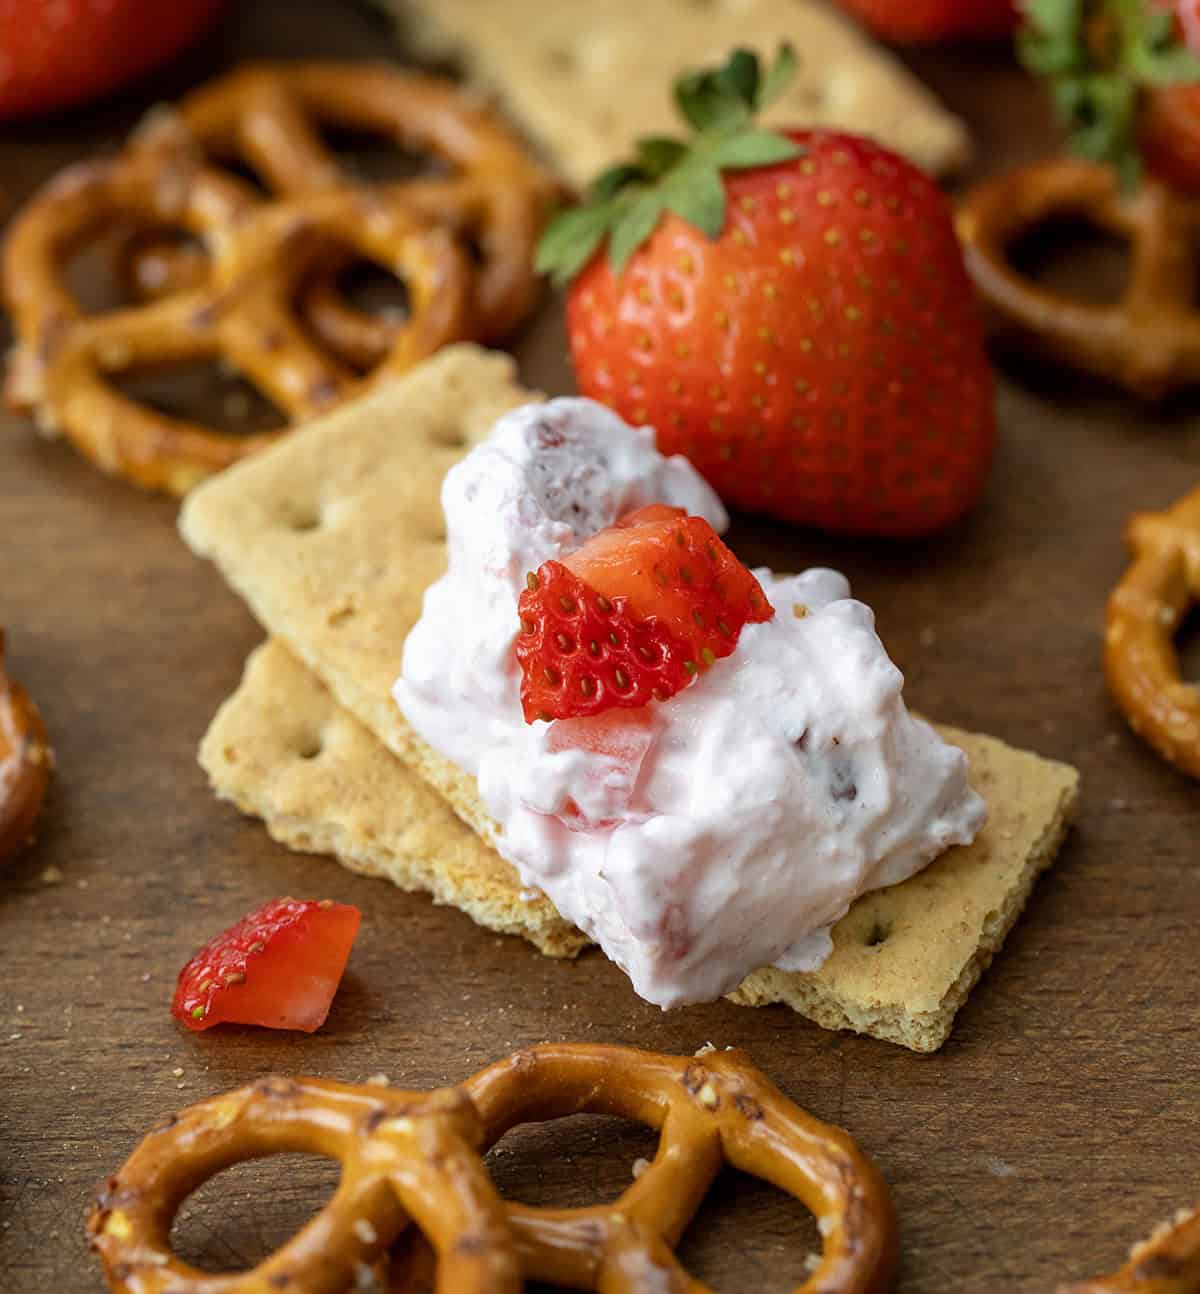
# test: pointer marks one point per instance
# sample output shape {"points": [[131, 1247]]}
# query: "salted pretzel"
{"points": [[26, 761], [1149, 341], [1144, 613], [1167, 1263], [410, 1156], [267, 116], [243, 313]]}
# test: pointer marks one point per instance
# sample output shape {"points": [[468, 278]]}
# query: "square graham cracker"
{"points": [[586, 78], [332, 537]]}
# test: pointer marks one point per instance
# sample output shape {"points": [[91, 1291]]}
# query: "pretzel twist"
{"points": [[267, 116], [1145, 611], [1149, 341], [1167, 1263], [26, 761], [243, 313], [412, 1157]]}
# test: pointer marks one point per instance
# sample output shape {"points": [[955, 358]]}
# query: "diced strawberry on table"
{"points": [[278, 967]]}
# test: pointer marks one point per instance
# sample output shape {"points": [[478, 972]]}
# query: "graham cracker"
{"points": [[587, 78], [283, 750], [904, 959], [332, 536]]}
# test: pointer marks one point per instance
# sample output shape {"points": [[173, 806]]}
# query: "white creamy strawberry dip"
{"points": [[698, 838]]}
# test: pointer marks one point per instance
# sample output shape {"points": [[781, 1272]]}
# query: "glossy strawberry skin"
{"points": [[278, 967], [57, 53], [632, 617], [926, 21], [822, 361], [1169, 136]]}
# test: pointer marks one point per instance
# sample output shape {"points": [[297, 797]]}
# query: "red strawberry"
{"points": [[1169, 135], [925, 21], [278, 967], [56, 53], [790, 311], [633, 615]]}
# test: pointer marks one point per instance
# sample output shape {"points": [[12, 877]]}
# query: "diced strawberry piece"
{"points": [[278, 967], [631, 616]]}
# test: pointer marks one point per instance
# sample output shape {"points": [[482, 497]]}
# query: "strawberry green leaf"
{"points": [[626, 201], [633, 227], [695, 193], [571, 239], [740, 76], [657, 154], [777, 78], [753, 148], [609, 182], [1099, 57]]}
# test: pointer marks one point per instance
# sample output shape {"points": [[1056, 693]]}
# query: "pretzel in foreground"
{"points": [[1149, 341], [1167, 1263], [1144, 613], [416, 1157], [26, 761]]}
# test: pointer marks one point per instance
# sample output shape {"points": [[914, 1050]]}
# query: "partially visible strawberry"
{"points": [[790, 310], [1126, 80], [56, 53], [1169, 134], [278, 967], [632, 616], [925, 21]]}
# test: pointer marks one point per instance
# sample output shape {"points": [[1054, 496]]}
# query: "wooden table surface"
{"points": [[1057, 1125]]}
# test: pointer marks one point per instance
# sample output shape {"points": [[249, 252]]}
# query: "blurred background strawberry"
{"points": [[925, 22], [1126, 80], [58, 53]]}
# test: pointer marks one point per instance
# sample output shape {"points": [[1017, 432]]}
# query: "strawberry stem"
{"points": [[624, 204]]}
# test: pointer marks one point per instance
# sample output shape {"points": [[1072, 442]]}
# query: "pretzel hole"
{"points": [[208, 392], [335, 305], [787, 1241], [243, 1214], [583, 1159], [371, 157], [95, 271], [1187, 643], [1075, 258]]}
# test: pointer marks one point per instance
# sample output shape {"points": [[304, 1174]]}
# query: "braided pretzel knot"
{"points": [[1167, 1263], [1144, 612], [26, 760], [243, 313], [409, 1156], [267, 116], [1149, 341]]}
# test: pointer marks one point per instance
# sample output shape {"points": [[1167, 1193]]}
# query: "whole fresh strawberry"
{"points": [[1126, 80], [926, 21], [278, 967], [57, 53], [790, 310]]}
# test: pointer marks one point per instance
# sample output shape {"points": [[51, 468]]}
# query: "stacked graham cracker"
{"points": [[332, 537]]}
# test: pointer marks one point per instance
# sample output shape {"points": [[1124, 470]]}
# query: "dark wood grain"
{"points": [[1058, 1123]]}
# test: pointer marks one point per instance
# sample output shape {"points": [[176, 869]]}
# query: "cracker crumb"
{"points": [[52, 875], [178, 1071], [378, 1080]]}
